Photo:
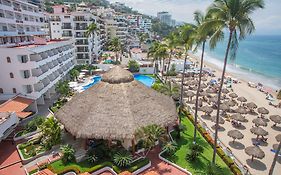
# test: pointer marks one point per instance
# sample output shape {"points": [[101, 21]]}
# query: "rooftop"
{"points": [[36, 45], [18, 105], [4, 116]]}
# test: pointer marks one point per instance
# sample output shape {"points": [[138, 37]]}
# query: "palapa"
{"points": [[278, 138], [251, 105], [263, 110], [206, 109], [230, 103], [115, 108], [241, 110], [235, 134], [259, 131], [242, 99], [225, 91], [238, 117], [214, 119], [276, 119], [233, 95], [255, 152], [259, 122], [189, 94]]}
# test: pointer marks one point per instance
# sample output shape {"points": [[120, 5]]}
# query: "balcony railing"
{"points": [[36, 72], [38, 86]]}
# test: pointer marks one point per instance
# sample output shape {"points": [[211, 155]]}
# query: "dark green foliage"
{"points": [[68, 153], [279, 95], [122, 158], [195, 151], [170, 148], [63, 88], [212, 169], [161, 29], [133, 66], [172, 71]]}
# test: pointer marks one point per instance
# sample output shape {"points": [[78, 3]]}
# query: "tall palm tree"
{"points": [[115, 45], [162, 53], [172, 41], [233, 15], [91, 29], [186, 41], [200, 37], [151, 53]]}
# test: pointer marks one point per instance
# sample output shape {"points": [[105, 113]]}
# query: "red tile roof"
{"points": [[18, 105]]}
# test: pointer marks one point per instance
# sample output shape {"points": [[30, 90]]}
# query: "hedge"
{"points": [[235, 170]]}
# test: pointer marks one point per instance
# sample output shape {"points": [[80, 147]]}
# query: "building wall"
{"points": [[44, 67], [12, 120]]}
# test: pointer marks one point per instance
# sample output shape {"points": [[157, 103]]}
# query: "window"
{"points": [[1, 91], [54, 23], [23, 58], [14, 90], [11, 75], [8, 60]]}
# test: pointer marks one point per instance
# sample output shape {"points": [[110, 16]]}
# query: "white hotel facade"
{"points": [[29, 64]]}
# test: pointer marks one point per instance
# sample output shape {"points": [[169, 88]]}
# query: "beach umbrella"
{"points": [[211, 91], [214, 119], [213, 99], [204, 79], [204, 93], [275, 147], [251, 105], [206, 109], [189, 94], [255, 152], [238, 117], [263, 110], [259, 122], [235, 134], [259, 131], [278, 138], [200, 102], [225, 91], [203, 85], [224, 107], [276, 119], [242, 99], [241, 110], [233, 95], [230, 103]]}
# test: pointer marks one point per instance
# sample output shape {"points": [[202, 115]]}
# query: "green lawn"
{"points": [[183, 146]]}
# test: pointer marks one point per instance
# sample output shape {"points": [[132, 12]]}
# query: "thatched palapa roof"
{"points": [[115, 108]]}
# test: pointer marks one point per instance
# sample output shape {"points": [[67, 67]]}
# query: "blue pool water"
{"points": [[146, 80]]}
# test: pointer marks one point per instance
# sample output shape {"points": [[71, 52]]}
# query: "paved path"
{"points": [[158, 167]]}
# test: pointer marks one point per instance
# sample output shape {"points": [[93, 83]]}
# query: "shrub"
{"points": [[91, 156], [220, 152], [133, 66], [122, 159], [172, 71], [195, 151], [279, 95], [235, 170], [228, 161], [68, 153], [170, 148]]}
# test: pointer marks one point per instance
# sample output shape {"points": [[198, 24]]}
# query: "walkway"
{"points": [[158, 167], [9, 159]]}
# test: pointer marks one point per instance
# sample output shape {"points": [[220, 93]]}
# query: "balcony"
{"points": [[51, 65], [38, 86], [35, 57], [66, 27], [55, 51], [50, 53], [44, 55], [67, 35], [46, 81], [52, 77], [60, 49], [60, 71], [81, 28], [44, 68], [55, 62], [55, 19], [81, 43], [36, 72]]}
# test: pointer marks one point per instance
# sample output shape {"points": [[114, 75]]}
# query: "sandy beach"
{"points": [[259, 98]]}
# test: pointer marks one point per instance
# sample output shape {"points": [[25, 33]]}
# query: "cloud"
{"points": [[267, 20]]}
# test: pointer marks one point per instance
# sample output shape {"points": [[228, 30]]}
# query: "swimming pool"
{"points": [[144, 79]]}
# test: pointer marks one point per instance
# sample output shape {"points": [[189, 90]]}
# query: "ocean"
{"points": [[258, 59]]}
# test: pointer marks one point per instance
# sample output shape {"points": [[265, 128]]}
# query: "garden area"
{"points": [[202, 163], [31, 126], [49, 136], [99, 155]]}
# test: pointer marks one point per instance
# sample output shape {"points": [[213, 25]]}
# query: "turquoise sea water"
{"points": [[258, 59]]}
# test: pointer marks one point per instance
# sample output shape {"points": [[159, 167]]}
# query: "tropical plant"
{"points": [[68, 153], [91, 29], [63, 88], [150, 134], [200, 37], [116, 46], [51, 132], [195, 151], [212, 169], [92, 156], [34, 124], [169, 89], [234, 16], [170, 147], [74, 74], [122, 159], [172, 71], [151, 53], [133, 66], [143, 37]]}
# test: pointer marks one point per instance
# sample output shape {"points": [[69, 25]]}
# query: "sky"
{"points": [[267, 20]]}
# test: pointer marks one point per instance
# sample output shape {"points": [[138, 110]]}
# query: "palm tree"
{"points": [[233, 15], [91, 29], [200, 37], [186, 33], [74, 74], [116, 46], [150, 134], [162, 53], [63, 88], [51, 132], [170, 90], [151, 53], [171, 41], [68, 153]]}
